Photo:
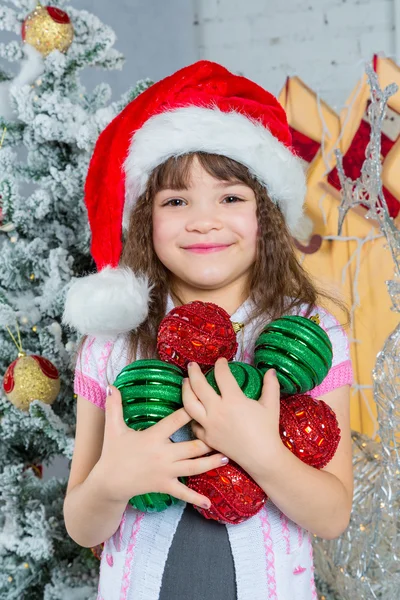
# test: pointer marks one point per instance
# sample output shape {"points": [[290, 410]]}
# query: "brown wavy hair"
{"points": [[278, 283]]}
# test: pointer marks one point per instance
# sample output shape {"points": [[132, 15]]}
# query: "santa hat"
{"points": [[202, 107]]}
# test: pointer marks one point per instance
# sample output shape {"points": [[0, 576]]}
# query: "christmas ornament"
{"points": [[309, 428], [31, 378], [249, 379], [200, 332], [150, 391], [298, 349], [48, 28], [234, 495], [37, 469]]}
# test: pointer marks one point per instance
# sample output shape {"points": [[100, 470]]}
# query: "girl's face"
{"points": [[206, 235]]}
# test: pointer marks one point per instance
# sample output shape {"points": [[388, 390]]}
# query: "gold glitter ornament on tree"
{"points": [[30, 378], [48, 28]]}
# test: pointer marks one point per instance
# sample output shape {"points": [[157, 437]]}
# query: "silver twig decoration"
{"points": [[364, 563]]}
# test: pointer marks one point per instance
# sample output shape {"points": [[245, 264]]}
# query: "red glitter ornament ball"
{"points": [[198, 332], [234, 495], [309, 428]]}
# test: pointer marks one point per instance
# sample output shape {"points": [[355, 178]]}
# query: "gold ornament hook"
{"points": [[237, 326], [3, 136], [19, 343]]}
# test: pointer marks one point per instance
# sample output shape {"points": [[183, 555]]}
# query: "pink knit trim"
{"points": [[89, 388], [341, 374], [129, 557], [269, 554], [285, 531], [312, 582]]}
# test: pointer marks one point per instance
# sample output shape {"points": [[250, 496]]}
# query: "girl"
{"points": [[192, 194]]}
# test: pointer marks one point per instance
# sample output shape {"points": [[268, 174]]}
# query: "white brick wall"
{"points": [[322, 41]]}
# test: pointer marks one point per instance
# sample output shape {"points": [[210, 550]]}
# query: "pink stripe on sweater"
{"points": [[121, 531], [105, 355], [312, 582], [285, 531], [90, 389], [300, 535], [129, 557], [88, 353], [341, 374], [269, 554]]}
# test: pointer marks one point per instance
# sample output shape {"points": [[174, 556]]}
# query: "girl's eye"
{"points": [[233, 199], [173, 202]]}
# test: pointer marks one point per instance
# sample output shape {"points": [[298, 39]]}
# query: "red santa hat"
{"points": [[202, 107]]}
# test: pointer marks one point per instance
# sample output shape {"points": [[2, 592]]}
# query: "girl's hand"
{"points": [[245, 430], [138, 462]]}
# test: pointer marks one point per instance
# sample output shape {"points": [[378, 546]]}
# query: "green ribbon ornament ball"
{"points": [[150, 391], [298, 349], [249, 379]]}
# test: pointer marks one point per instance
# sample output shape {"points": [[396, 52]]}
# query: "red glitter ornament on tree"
{"points": [[200, 332], [309, 428], [234, 495]]}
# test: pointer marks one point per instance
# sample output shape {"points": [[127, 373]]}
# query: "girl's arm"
{"points": [[112, 463], [318, 500], [90, 517]]}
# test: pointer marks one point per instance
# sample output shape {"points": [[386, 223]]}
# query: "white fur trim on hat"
{"points": [[197, 129], [108, 303]]}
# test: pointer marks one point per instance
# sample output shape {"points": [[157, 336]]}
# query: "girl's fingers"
{"points": [[226, 382], [184, 493], [200, 387], [270, 395], [198, 431], [187, 468], [191, 402], [169, 425], [192, 449], [115, 423]]}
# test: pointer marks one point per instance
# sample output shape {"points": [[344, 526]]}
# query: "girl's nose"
{"points": [[203, 221]]}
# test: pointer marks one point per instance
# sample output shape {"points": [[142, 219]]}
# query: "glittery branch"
{"points": [[367, 189]]}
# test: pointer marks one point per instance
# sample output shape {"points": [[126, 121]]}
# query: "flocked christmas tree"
{"points": [[49, 123]]}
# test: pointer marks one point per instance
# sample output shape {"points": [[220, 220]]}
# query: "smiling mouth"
{"points": [[205, 249]]}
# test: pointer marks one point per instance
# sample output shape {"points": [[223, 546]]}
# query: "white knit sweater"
{"points": [[272, 555]]}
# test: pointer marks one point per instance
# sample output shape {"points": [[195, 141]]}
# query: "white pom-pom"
{"points": [[303, 229], [108, 303]]}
